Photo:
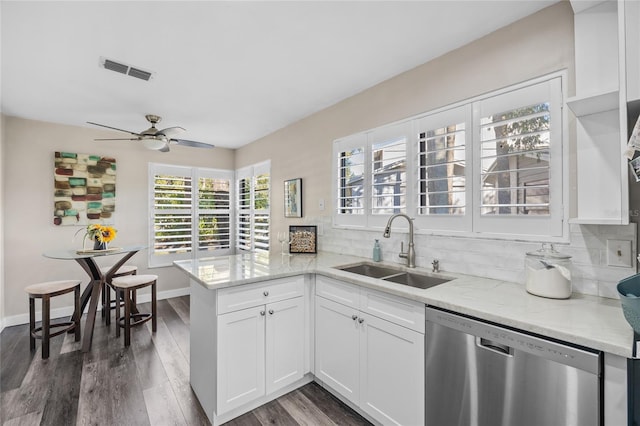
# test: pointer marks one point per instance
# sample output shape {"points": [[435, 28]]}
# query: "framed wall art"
{"points": [[293, 198], [303, 239], [84, 189]]}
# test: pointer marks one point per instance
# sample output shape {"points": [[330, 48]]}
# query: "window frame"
{"points": [[552, 228], [194, 173]]}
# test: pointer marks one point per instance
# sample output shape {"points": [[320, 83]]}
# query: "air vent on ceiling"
{"points": [[125, 69]]}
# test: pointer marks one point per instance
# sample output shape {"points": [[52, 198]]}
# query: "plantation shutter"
{"points": [[519, 159], [253, 207], [172, 206], [214, 208], [190, 209], [443, 184]]}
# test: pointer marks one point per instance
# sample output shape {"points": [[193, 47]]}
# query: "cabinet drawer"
{"points": [[338, 291], [247, 296], [405, 312]]}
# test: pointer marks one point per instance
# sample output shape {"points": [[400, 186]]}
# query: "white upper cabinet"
{"points": [[600, 108], [630, 13]]}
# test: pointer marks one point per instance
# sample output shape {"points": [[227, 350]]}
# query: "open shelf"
{"points": [[593, 104]]}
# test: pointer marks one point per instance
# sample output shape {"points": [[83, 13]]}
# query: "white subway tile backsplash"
{"points": [[497, 259]]}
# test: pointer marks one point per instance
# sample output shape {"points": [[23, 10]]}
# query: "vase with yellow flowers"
{"points": [[101, 235]]}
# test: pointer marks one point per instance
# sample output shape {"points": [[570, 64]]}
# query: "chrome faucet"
{"points": [[410, 255]]}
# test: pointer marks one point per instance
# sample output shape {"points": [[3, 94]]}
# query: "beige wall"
{"points": [[29, 147], [534, 46]]}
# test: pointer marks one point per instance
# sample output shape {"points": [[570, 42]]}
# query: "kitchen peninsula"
{"points": [[238, 296]]}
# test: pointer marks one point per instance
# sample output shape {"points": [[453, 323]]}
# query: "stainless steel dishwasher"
{"points": [[480, 374]]}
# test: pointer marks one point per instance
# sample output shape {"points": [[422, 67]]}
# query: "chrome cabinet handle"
{"points": [[361, 320], [266, 293], [262, 313], [354, 317], [270, 311]]}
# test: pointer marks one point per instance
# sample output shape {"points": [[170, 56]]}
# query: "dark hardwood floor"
{"points": [[145, 384]]}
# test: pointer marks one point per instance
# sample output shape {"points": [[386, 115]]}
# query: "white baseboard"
{"points": [[68, 310]]}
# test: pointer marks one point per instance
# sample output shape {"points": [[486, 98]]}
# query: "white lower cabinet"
{"points": [[284, 343], [337, 353], [260, 350], [374, 363], [391, 372], [241, 360]]}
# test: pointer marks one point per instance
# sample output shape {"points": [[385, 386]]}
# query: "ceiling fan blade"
{"points": [[171, 131], [114, 128], [118, 139], [192, 144]]}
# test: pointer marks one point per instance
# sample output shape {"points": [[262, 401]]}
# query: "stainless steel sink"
{"points": [[395, 275], [416, 280], [369, 270]]}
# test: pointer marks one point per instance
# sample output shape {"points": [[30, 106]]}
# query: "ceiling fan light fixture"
{"points": [[154, 144]]}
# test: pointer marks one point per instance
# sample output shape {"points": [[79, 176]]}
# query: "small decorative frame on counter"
{"points": [[303, 239], [293, 197]]}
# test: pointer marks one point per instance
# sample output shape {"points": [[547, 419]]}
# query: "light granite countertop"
{"points": [[589, 321]]}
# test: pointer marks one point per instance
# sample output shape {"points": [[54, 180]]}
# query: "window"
{"points": [[491, 166], [519, 166], [444, 170], [371, 171], [388, 170], [190, 213], [253, 185]]}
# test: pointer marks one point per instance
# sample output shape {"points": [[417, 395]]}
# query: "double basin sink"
{"points": [[395, 275]]}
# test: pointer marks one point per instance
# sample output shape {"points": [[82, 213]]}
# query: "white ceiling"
{"points": [[228, 72]]}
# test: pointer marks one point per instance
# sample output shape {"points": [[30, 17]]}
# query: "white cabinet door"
{"points": [[391, 372], [241, 354], [284, 343], [337, 347]]}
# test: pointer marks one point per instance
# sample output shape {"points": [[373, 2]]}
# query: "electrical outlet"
{"points": [[619, 253]]}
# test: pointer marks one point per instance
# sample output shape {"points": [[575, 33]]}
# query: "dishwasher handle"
{"points": [[493, 346]]}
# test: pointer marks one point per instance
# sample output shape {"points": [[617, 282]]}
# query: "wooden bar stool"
{"points": [[46, 291], [128, 285], [106, 291]]}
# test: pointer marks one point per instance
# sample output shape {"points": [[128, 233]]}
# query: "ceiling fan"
{"points": [[152, 138]]}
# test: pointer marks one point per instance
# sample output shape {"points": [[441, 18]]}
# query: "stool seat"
{"points": [[51, 287], [123, 270], [45, 291], [133, 281]]}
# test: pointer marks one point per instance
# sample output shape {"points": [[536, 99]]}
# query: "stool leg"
{"points": [[46, 305], [107, 307], [103, 300], [78, 315], [127, 317], [117, 312], [32, 322], [154, 320]]}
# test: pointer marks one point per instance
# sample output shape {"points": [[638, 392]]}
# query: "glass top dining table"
{"points": [[91, 294]]}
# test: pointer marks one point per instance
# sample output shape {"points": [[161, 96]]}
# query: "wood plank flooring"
{"points": [[145, 384]]}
